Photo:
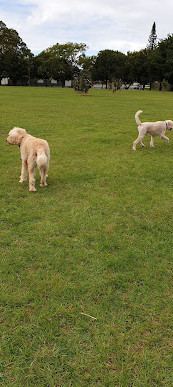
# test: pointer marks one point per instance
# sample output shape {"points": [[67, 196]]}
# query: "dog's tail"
{"points": [[42, 158], [137, 117]]}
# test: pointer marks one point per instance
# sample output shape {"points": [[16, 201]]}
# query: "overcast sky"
{"points": [[123, 25]]}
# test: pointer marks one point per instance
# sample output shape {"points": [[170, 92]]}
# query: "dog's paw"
{"points": [[22, 180], [32, 189], [43, 185]]}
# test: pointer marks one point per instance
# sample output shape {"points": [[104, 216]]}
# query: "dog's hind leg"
{"points": [[23, 176], [31, 169], [139, 139], [143, 146], [43, 174]]}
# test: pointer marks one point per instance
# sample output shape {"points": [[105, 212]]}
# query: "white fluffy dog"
{"points": [[157, 128], [34, 151]]}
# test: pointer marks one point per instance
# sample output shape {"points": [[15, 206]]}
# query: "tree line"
{"points": [[69, 62]]}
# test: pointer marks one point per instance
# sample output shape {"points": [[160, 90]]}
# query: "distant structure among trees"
{"points": [[68, 62]]}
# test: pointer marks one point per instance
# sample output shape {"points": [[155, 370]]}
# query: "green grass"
{"points": [[97, 240]]}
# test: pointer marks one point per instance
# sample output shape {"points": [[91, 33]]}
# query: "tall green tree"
{"points": [[165, 59], [152, 41], [60, 61], [15, 57], [109, 66], [137, 66], [43, 67], [143, 66]]}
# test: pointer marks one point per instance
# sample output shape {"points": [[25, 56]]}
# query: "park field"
{"points": [[86, 291]]}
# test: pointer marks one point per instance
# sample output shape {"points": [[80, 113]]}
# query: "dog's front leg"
{"points": [[152, 142], [164, 137], [23, 176]]}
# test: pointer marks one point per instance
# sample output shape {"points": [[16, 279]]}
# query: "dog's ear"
{"points": [[20, 134], [170, 124]]}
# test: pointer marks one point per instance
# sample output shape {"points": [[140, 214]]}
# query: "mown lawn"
{"points": [[86, 264]]}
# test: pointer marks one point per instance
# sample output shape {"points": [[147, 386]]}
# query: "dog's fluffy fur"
{"points": [[157, 128], [34, 151]]}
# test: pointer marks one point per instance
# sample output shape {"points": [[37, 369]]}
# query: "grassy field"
{"points": [[87, 263]]}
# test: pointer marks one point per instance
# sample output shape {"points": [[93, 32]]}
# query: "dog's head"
{"points": [[169, 124], [15, 136]]}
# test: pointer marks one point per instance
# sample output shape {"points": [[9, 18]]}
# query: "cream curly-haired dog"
{"points": [[34, 151], [157, 128]]}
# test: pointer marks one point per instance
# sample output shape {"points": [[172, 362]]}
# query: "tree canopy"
{"points": [[60, 61], [109, 66]]}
